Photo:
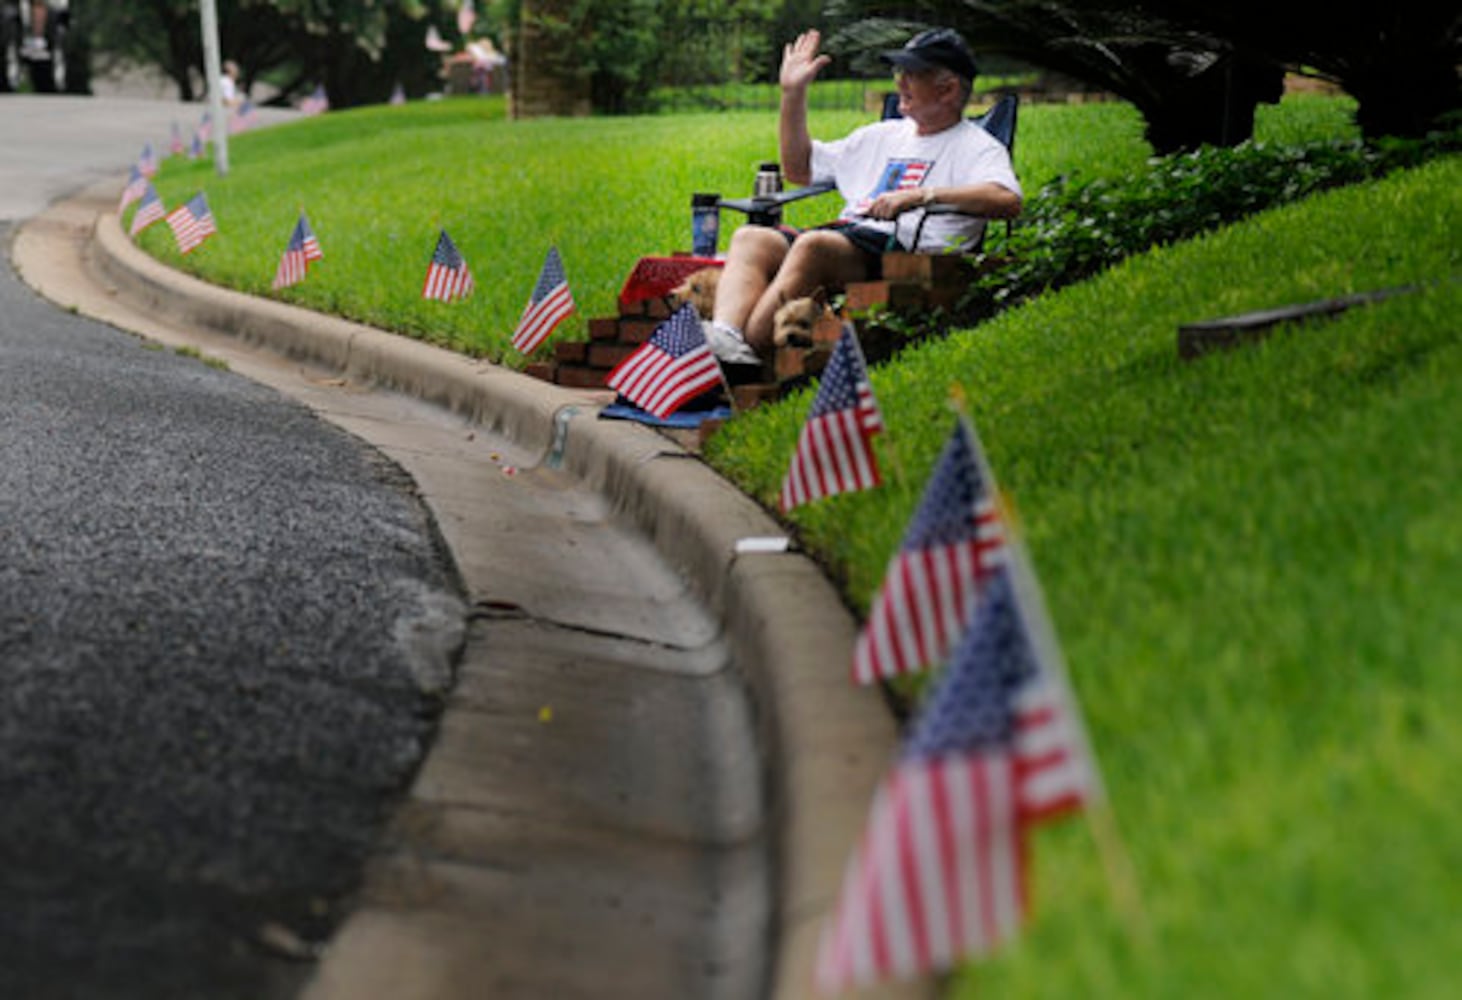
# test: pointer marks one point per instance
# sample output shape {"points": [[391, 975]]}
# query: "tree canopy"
{"points": [[1196, 70], [358, 49]]}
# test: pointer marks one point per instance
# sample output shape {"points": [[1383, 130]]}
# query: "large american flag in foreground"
{"points": [[447, 276], [940, 873], [149, 209], [835, 449], [298, 253], [673, 366], [547, 307], [952, 544], [191, 223]]}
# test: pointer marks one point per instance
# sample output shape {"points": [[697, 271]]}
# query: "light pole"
{"points": [[213, 72]]}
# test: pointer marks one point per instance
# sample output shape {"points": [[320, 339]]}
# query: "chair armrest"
{"points": [[769, 207], [941, 209]]}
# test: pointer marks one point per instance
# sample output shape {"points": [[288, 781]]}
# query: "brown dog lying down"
{"points": [[795, 319], [699, 289]]}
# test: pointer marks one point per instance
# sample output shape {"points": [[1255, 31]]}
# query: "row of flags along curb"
{"points": [[448, 277]]}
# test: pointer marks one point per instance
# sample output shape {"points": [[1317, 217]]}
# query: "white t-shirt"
{"points": [[890, 155]]}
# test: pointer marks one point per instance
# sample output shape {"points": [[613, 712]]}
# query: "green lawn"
{"points": [[1252, 559]]}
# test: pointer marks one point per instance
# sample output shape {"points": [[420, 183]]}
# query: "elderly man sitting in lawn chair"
{"points": [[930, 156]]}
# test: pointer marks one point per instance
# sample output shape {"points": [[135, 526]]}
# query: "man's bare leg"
{"points": [[753, 259], [818, 259]]}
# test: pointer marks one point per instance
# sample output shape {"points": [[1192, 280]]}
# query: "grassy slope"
{"points": [[1253, 561]]}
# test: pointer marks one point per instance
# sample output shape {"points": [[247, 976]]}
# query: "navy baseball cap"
{"points": [[937, 48]]}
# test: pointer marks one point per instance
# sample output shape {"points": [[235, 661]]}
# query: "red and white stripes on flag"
{"points": [[548, 305], [137, 184], [834, 451], [301, 250], [447, 276], [921, 609], [938, 874], [1055, 773], [149, 210], [191, 223]]}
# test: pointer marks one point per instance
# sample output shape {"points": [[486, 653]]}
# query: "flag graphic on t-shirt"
{"points": [[898, 175]]}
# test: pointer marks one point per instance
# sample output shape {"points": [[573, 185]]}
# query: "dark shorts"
{"points": [[873, 242]]}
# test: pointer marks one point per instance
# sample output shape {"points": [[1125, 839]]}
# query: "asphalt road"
{"points": [[224, 627]]}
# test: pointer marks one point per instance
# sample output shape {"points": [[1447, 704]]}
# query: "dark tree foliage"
{"points": [[1196, 70], [358, 49]]}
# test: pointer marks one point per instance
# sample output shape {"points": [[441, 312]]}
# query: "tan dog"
{"points": [[794, 320], [699, 289]]}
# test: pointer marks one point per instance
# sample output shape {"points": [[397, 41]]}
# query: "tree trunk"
{"points": [[544, 82]]}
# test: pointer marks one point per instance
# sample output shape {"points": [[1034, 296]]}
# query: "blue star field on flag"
{"points": [[953, 541], [973, 708]]}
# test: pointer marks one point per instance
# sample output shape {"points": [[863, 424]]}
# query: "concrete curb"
{"points": [[827, 742]]}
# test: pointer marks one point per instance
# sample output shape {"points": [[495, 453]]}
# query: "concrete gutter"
{"points": [[827, 742]]}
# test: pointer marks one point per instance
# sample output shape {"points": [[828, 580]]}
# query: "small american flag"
{"points": [[940, 873], [835, 449], [136, 186], [398, 95], [175, 141], [245, 118], [196, 150], [301, 250], [316, 103], [950, 547], [205, 128], [673, 366], [547, 307], [147, 161], [149, 210], [447, 276], [191, 223]]}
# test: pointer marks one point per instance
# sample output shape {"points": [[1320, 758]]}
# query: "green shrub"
{"points": [[1074, 226]]}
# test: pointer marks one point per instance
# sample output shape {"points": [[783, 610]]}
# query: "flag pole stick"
{"points": [[1101, 821], [726, 384]]}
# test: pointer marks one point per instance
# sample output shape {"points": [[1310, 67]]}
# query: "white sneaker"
{"points": [[729, 344]]}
